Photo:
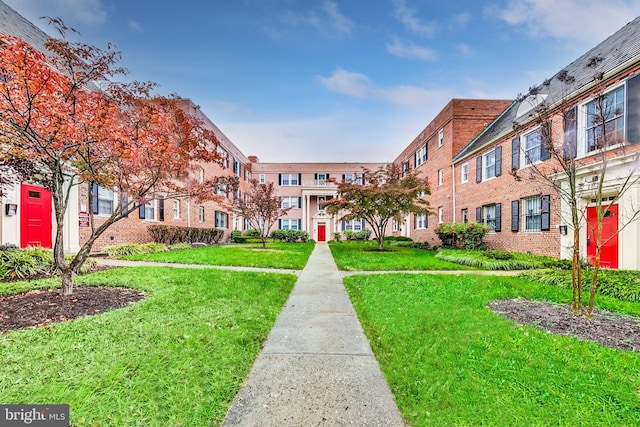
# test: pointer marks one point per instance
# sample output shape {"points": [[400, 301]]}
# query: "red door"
{"points": [[322, 233], [35, 216], [609, 251]]}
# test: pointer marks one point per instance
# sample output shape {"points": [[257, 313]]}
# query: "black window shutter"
{"points": [[299, 179], [362, 224], [299, 202], [515, 215], [479, 169], [515, 153], [279, 179], [343, 225], [415, 221], [141, 212], [326, 176], [479, 215], [161, 208], [545, 215], [546, 141], [299, 224], [498, 226], [279, 224], [94, 196], [633, 110], [426, 152], [498, 160], [124, 205], [426, 221], [315, 176], [570, 143]]}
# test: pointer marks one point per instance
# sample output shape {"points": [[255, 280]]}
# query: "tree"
{"points": [[384, 195], [565, 170], [261, 207], [58, 129]]}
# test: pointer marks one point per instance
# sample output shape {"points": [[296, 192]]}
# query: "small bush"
{"points": [[123, 250], [397, 239], [170, 235], [290, 236], [9, 247], [420, 245], [152, 248], [253, 232], [179, 246], [337, 236], [363, 234], [23, 263], [237, 237], [465, 235]]}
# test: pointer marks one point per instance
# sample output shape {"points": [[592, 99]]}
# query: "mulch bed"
{"points": [[609, 329], [42, 307]]}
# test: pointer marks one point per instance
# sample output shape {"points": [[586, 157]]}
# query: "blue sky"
{"points": [[337, 80]]}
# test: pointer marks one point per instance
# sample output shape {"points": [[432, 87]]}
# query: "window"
{"points": [[105, 201], [262, 179], [221, 219], [440, 215], [247, 175], [237, 167], [289, 179], [531, 213], [610, 110], [353, 178], [405, 168], [464, 173], [321, 179], [150, 210], [532, 146], [440, 138], [440, 177], [201, 214], [353, 225], [421, 221], [421, 156], [289, 224], [290, 202], [223, 155], [201, 175], [489, 165], [394, 225], [221, 189], [489, 216], [176, 209], [465, 215]]}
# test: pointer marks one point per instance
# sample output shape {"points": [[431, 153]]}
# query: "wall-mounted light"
{"points": [[563, 230], [10, 209]]}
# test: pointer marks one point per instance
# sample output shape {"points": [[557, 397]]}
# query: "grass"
{"points": [[479, 259], [174, 359], [277, 255], [361, 256], [452, 362]]}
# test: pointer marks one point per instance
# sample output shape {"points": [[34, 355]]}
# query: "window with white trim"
{"points": [[465, 215], [201, 175], [440, 138], [201, 214], [440, 215], [394, 225], [221, 219], [353, 178], [440, 177], [532, 213], [262, 179], [289, 202], [489, 162], [176, 209], [150, 210], [420, 156], [489, 216], [354, 225], [106, 201], [421, 221], [464, 173], [532, 146], [605, 120], [237, 167], [289, 179], [289, 224]]}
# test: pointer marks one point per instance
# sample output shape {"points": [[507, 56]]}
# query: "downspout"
{"points": [[453, 190]]}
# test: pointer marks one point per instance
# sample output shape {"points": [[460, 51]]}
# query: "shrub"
{"points": [[179, 246], [397, 239], [447, 234], [290, 236], [23, 263], [497, 254], [363, 234], [152, 248], [337, 236], [170, 234], [466, 235], [8, 247], [253, 232], [237, 237], [123, 250]]}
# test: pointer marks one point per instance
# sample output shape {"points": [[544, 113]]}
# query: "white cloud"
{"points": [[135, 26], [410, 50], [73, 12], [460, 21], [327, 20], [347, 83], [584, 21], [465, 50], [407, 17]]}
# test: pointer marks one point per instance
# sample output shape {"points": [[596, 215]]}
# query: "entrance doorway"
{"points": [[609, 251], [322, 233], [35, 216]]}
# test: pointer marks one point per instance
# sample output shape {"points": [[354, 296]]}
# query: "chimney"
{"points": [[253, 159]]}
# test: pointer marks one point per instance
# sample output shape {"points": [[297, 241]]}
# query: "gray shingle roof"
{"points": [[14, 24], [617, 50]]}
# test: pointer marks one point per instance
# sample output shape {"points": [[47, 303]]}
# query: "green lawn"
{"points": [[450, 361], [277, 255], [174, 359], [361, 256]]}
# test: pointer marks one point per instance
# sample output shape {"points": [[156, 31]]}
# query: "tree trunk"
{"points": [[576, 274], [594, 283], [67, 281], [264, 242]]}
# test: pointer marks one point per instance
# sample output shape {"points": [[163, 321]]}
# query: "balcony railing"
{"points": [[317, 183]]}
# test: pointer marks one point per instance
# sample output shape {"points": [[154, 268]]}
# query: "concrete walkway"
{"points": [[316, 367]]}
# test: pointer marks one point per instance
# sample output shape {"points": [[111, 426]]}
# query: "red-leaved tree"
{"points": [[63, 124]]}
